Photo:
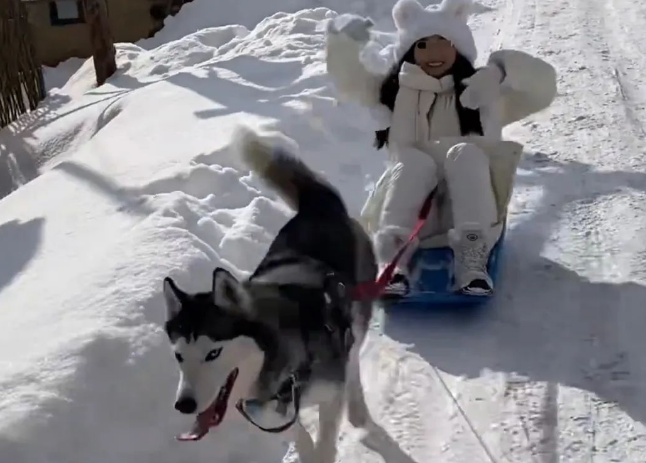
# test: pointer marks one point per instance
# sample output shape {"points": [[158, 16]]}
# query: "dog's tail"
{"points": [[297, 184]]}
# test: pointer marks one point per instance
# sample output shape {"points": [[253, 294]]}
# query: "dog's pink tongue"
{"points": [[212, 416], [201, 425]]}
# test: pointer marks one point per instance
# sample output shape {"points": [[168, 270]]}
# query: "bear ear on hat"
{"points": [[405, 12], [461, 9]]}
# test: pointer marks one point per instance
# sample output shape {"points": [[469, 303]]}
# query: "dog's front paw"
{"points": [[325, 452]]}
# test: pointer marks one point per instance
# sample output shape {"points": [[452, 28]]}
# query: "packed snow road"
{"points": [[553, 370]]}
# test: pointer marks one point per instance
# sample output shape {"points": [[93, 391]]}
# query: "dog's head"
{"points": [[208, 335]]}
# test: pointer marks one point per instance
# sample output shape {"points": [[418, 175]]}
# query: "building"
{"points": [[60, 32]]}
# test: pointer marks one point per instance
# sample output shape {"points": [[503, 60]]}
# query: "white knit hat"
{"points": [[449, 20]]}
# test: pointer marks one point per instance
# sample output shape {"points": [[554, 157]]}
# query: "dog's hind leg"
{"points": [[362, 311], [304, 444], [330, 414], [375, 438], [358, 413]]}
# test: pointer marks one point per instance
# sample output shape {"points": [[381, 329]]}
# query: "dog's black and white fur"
{"points": [[287, 311]]}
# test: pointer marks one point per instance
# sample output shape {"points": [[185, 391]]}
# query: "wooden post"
{"points": [[96, 16]]}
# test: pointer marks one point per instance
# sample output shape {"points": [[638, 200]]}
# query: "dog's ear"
{"points": [[226, 289], [173, 297]]}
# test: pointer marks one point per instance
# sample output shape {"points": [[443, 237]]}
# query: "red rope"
{"points": [[373, 289]]}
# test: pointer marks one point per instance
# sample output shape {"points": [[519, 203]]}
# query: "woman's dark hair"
{"points": [[462, 69]]}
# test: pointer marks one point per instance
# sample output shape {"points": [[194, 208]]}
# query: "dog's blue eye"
{"points": [[179, 357], [215, 353]]}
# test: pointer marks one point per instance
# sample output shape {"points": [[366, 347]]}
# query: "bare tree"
{"points": [[104, 54], [22, 85]]}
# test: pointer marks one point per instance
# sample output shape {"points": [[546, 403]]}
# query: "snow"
{"points": [[57, 77], [135, 180]]}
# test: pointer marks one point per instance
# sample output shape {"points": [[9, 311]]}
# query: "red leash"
{"points": [[373, 289]]}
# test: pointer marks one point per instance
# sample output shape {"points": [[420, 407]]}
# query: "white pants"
{"points": [[466, 171]]}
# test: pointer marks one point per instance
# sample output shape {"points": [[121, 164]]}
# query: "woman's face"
{"points": [[435, 55]]}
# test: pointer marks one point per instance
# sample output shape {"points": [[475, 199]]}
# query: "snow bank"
{"points": [[226, 19], [57, 77], [202, 14], [142, 184]]}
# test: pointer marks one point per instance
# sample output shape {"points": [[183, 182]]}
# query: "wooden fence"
{"points": [[21, 78]]}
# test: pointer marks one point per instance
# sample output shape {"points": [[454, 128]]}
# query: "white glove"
{"points": [[483, 88], [354, 26]]}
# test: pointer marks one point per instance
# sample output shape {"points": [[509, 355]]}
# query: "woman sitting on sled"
{"points": [[441, 120]]}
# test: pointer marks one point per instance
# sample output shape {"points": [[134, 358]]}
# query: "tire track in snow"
{"points": [[627, 95], [470, 409], [628, 48], [619, 67], [529, 415], [530, 421], [548, 448], [535, 407], [512, 12]]}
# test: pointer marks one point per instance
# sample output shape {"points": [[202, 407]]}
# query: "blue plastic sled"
{"points": [[432, 279]]}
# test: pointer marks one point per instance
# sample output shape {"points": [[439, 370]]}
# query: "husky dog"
{"points": [[294, 312]]}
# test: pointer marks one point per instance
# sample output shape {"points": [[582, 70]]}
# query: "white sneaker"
{"points": [[398, 287], [471, 255]]}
